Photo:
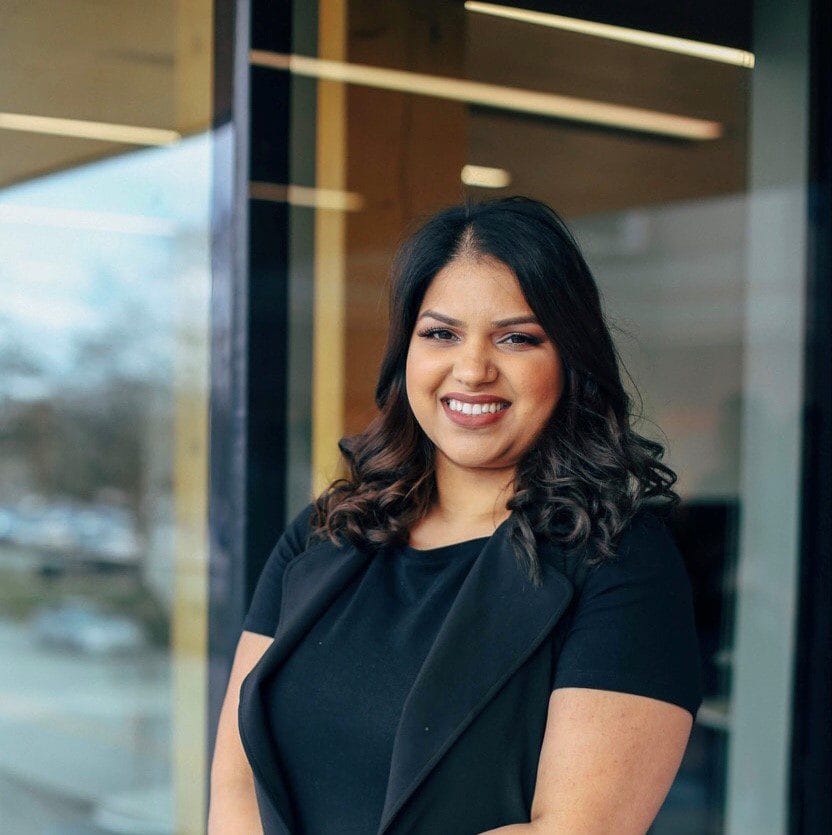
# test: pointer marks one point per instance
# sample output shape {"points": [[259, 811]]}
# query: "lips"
{"points": [[474, 398], [482, 403], [474, 421]]}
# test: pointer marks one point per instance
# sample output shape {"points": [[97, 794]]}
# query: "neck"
{"points": [[474, 495]]}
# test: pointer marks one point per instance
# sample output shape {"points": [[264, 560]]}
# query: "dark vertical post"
{"points": [[811, 755], [269, 132], [228, 438], [248, 323]]}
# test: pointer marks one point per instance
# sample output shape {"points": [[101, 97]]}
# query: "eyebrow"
{"points": [[499, 323]]}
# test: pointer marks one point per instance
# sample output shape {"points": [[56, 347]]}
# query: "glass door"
{"points": [[676, 150], [105, 175]]}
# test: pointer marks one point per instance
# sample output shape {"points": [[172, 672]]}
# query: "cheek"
{"points": [[422, 371], [417, 376], [543, 383], [412, 366]]}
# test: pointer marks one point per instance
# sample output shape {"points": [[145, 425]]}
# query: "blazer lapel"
{"points": [[496, 622], [310, 582]]}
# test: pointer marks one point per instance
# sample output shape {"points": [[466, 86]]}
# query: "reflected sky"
{"points": [[93, 255]]}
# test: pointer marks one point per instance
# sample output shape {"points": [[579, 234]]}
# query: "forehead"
{"points": [[483, 284]]}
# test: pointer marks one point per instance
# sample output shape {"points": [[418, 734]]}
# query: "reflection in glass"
{"points": [[104, 230], [415, 107]]}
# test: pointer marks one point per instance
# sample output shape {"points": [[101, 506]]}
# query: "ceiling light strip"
{"points": [[483, 176], [101, 131], [493, 95], [683, 46], [317, 198]]}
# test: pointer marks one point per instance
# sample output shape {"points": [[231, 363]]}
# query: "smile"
{"points": [[472, 415]]}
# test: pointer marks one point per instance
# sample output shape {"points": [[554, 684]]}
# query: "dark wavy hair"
{"points": [[588, 472]]}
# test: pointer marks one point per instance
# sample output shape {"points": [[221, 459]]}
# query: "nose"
{"points": [[473, 366]]}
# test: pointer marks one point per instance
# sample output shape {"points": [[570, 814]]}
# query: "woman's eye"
{"points": [[524, 338], [430, 332]]}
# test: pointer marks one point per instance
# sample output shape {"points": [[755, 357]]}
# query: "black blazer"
{"points": [[468, 742]]}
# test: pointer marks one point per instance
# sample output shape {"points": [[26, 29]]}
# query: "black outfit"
{"points": [[373, 639], [360, 717]]}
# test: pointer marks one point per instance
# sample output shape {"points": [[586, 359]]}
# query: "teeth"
{"points": [[476, 408]]}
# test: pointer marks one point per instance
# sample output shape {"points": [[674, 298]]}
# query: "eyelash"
{"points": [[530, 340]]}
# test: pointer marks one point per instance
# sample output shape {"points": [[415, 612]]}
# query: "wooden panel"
{"points": [[405, 157]]}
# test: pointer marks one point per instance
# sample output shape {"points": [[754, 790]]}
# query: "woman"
{"points": [[485, 627]]}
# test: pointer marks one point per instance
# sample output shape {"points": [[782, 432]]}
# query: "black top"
{"points": [[335, 702], [352, 672]]}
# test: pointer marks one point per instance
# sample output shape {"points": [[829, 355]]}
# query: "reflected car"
{"points": [[82, 627], [97, 532]]}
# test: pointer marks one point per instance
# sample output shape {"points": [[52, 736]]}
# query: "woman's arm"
{"points": [[606, 765], [233, 806]]}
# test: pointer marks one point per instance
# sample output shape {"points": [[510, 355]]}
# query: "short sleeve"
{"points": [[264, 609], [633, 629]]}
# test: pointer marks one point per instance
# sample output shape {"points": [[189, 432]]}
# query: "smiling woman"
{"points": [[494, 302], [516, 375], [486, 608]]}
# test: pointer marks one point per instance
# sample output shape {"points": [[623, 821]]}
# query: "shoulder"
{"points": [[300, 527], [645, 556], [300, 543], [647, 527], [294, 541], [647, 544], [292, 544], [633, 627]]}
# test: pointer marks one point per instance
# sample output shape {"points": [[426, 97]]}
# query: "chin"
{"points": [[468, 459]]}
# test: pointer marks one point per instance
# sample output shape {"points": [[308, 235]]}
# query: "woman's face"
{"points": [[461, 349]]}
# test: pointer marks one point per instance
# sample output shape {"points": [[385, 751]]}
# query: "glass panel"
{"points": [[104, 230], [686, 218]]}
